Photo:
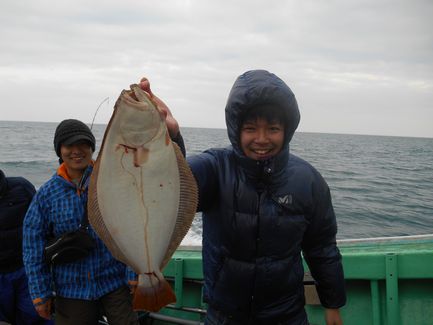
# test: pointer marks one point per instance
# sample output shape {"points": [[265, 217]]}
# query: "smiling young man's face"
{"points": [[260, 139], [76, 157]]}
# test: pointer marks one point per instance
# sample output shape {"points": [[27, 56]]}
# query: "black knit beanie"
{"points": [[71, 131]]}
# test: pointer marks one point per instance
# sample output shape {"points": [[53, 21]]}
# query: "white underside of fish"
{"points": [[142, 195], [151, 189]]}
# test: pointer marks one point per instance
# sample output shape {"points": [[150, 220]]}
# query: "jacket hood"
{"points": [[259, 88]]}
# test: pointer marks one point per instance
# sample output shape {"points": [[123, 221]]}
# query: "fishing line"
{"points": [[107, 99]]}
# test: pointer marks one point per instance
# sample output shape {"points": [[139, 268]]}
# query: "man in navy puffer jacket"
{"points": [[262, 207]]}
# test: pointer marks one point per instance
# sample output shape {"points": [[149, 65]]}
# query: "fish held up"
{"points": [[142, 195]]}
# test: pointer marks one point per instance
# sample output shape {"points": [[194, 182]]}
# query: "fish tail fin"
{"points": [[153, 292]]}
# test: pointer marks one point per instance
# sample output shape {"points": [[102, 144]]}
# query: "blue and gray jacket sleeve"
{"points": [[35, 232]]}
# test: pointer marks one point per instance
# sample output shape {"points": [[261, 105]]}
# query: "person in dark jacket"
{"points": [[16, 306], [262, 206]]}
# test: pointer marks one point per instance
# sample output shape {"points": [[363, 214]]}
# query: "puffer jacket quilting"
{"points": [[259, 216]]}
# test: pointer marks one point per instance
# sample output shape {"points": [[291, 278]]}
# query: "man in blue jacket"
{"points": [[84, 286], [16, 307], [262, 206]]}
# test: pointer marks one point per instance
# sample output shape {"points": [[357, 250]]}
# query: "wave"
{"points": [[381, 186], [27, 161]]}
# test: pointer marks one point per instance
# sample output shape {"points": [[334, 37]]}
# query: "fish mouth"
{"points": [[134, 97], [141, 100], [137, 99]]}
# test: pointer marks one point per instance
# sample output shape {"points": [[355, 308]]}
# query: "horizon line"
{"points": [[219, 128]]}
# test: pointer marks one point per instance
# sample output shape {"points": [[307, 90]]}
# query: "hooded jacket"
{"points": [[16, 193], [258, 216]]}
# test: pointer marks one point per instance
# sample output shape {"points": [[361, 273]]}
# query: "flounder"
{"points": [[142, 195]]}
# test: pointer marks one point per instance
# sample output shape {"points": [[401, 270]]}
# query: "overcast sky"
{"points": [[363, 67]]}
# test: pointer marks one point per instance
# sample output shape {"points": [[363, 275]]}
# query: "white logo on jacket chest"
{"points": [[285, 200]]}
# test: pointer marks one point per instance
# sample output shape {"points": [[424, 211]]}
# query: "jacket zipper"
{"points": [[259, 195]]}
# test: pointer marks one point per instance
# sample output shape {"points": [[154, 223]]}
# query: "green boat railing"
{"points": [[389, 282]]}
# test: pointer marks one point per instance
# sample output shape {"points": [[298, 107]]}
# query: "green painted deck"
{"points": [[389, 282]]}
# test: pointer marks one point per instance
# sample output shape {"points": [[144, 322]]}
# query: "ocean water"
{"points": [[381, 186]]}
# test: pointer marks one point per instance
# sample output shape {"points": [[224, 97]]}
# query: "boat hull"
{"points": [[389, 282]]}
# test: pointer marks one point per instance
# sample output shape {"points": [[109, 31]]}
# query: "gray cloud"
{"points": [[355, 67]]}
